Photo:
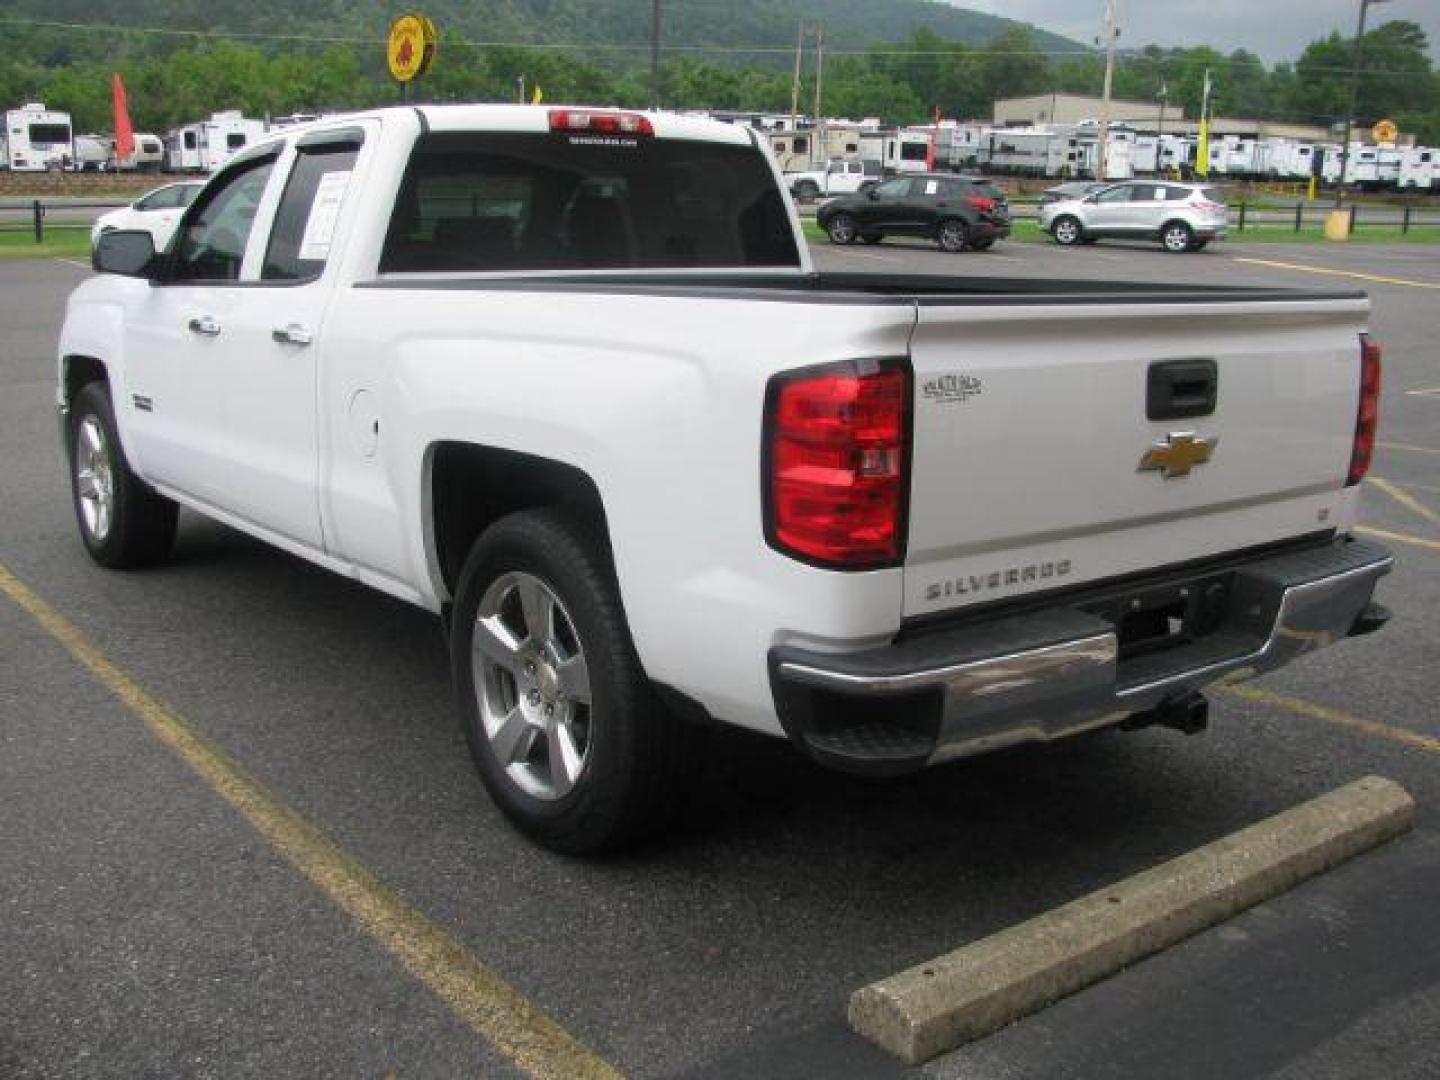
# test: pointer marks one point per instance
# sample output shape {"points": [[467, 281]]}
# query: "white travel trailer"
{"points": [[891, 152], [206, 146], [1419, 169], [148, 156], [1287, 159], [1363, 166], [37, 138], [92, 153]]}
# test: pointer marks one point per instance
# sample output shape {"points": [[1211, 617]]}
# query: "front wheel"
{"points": [[123, 521], [1176, 237], [565, 730], [1066, 231], [841, 229], [951, 235], [807, 191]]}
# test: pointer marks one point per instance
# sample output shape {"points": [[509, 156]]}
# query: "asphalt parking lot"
{"points": [[151, 928]]}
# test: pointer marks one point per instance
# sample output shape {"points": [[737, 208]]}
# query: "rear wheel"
{"points": [[565, 729], [951, 235], [841, 229], [1176, 237], [1066, 230], [123, 521]]}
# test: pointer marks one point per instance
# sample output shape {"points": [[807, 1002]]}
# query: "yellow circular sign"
{"points": [[1385, 131], [411, 47]]}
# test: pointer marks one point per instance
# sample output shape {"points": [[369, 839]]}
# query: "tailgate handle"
{"points": [[1176, 389]]}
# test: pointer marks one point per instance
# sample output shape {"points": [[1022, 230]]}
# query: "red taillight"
{"points": [[980, 202], [837, 471], [1367, 416], [600, 122]]}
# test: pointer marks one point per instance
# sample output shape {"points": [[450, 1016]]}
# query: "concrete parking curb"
{"points": [[971, 992]]}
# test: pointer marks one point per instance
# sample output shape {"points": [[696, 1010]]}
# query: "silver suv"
{"points": [[1183, 217]]}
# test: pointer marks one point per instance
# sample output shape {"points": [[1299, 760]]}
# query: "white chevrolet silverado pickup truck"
{"points": [[567, 378]]}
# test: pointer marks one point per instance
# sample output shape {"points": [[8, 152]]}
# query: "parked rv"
{"points": [[148, 155], [37, 139], [209, 144]]}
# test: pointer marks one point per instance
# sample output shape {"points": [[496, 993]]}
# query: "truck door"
{"points": [[174, 362], [270, 341]]}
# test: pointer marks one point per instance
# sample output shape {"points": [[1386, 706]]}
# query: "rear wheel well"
{"points": [[80, 371], [472, 487]]}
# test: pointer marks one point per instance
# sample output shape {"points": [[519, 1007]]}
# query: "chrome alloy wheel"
{"points": [[1177, 238], [1066, 230], [94, 478], [532, 686]]}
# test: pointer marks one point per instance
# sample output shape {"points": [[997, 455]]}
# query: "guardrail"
{"points": [[34, 215]]}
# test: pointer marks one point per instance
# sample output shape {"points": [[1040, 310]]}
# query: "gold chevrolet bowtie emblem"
{"points": [[1178, 454]]}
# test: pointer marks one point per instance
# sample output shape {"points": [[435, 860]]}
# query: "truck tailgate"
{"points": [[1031, 429]]}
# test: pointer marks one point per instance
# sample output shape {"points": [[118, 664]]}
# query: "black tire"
{"points": [[951, 235], [841, 229], [872, 237], [807, 191], [1198, 245], [984, 244], [1176, 237], [1066, 230], [636, 761], [123, 522]]}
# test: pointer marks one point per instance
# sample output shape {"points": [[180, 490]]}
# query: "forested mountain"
{"points": [[597, 24]]}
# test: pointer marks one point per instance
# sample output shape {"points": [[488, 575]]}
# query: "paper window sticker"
{"points": [[324, 213], [931, 187]]}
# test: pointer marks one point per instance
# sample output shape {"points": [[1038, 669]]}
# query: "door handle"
{"points": [[294, 334], [205, 325]]}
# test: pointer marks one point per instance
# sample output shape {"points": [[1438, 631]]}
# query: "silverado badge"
{"points": [[1178, 454]]}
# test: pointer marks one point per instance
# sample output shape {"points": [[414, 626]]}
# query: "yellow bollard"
{"points": [[1337, 225]]}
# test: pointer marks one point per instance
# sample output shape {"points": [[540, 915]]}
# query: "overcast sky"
{"points": [[1276, 29]]}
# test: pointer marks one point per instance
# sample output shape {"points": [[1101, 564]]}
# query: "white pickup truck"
{"points": [[567, 378], [836, 178]]}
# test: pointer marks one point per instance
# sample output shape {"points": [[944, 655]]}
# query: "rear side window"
{"points": [[305, 219], [1215, 195], [503, 201]]}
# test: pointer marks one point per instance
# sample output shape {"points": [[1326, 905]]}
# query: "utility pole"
{"points": [[819, 76], [655, 14], [1112, 31], [795, 81], [1160, 133], [1354, 93]]}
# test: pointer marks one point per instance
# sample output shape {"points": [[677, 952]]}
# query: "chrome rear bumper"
{"points": [[1057, 671]]}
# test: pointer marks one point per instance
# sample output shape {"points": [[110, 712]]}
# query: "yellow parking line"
{"points": [[1411, 485], [1399, 538], [1408, 446], [1429, 391], [1342, 273], [1324, 713], [1405, 499], [493, 1008]]}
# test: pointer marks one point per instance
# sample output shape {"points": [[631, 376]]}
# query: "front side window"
{"points": [[503, 201], [211, 246], [305, 220]]}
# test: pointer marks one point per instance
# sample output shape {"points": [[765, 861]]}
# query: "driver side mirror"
{"points": [[129, 252]]}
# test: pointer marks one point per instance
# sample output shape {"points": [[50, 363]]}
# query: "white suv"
{"points": [[1183, 217]]}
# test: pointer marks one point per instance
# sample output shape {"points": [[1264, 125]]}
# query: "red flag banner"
{"points": [[124, 133]]}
